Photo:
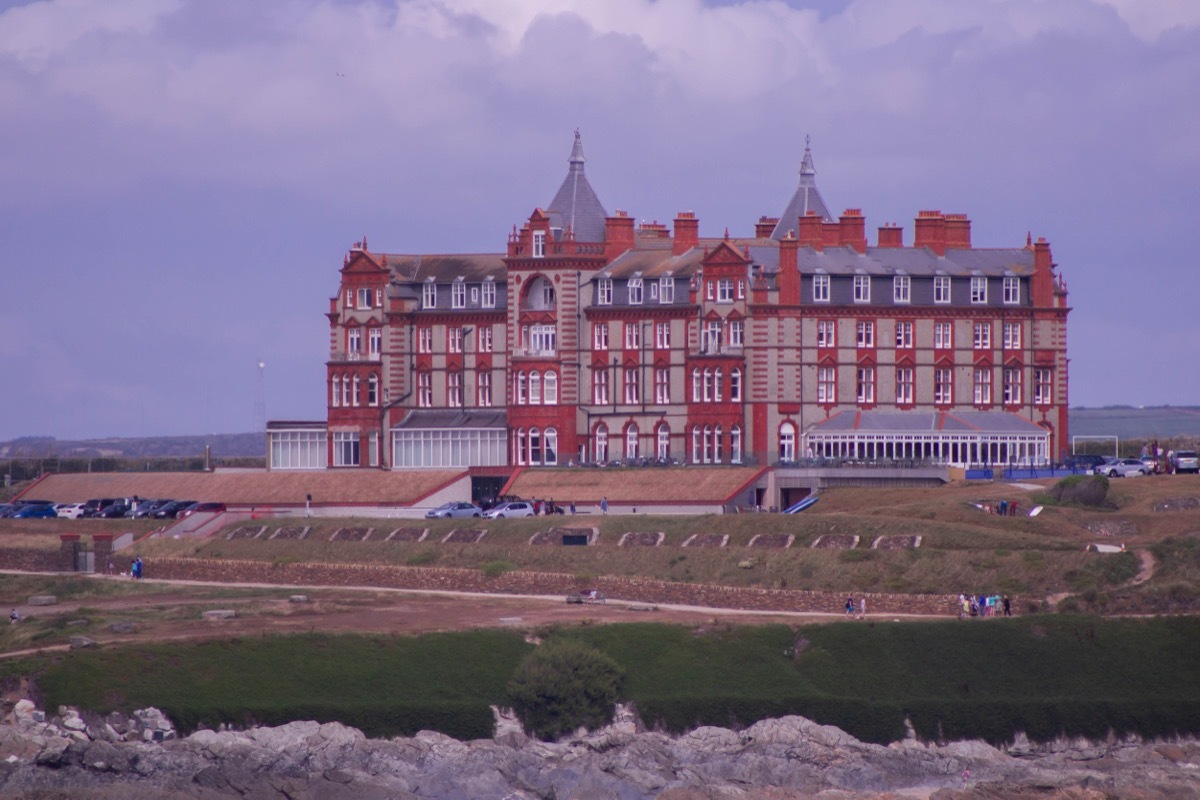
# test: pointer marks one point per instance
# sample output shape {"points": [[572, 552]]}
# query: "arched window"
{"points": [[551, 397], [601, 444], [631, 442], [695, 386], [663, 451], [521, 389], [335, 394], [346, 390], [787, 442], [695, 444], [708, 443], [535, 388], [535, 446], [708, 392], [717, 444], [522, 444], [373, 390], [551, 447], [735, 445], [357, 396], [717, 388], [735, 385]]}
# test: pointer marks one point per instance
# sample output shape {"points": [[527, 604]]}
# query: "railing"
{"points": [[532, 352], [719, 350], [345, 355]]}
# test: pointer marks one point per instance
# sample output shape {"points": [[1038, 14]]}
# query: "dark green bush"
{"points": [[563, 685], [1080, 490], [494, 569]]}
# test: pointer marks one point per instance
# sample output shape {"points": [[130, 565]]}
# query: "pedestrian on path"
{"points": [[862, 607], [604, 505], [849, 606]]}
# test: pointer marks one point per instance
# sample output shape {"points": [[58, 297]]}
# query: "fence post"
{"points": [[67, 548]]}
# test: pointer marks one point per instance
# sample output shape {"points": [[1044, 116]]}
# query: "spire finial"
{"points": [[576, 159], [806, 163]]}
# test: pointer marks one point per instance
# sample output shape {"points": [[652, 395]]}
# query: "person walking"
{"points": [[1007, 606], [862, 607], [604, 505], [849, 606]]}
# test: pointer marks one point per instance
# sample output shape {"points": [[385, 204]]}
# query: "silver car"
{"points": [[1122, 468], [454, 509], [1187, 461], [519, 508]]}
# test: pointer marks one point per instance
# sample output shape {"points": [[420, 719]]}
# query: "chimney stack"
{"points": [[810, 231], [764, 227], [852, 229], [891, 235], [930, 231], [958, 231], [687, 232], [618, 234]]}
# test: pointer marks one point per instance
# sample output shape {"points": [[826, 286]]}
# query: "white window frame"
{"points": [[666, 289], [600, 336], [535, 388], [982, 337], [600, 443], [375, 342], [521, 389], [483, 339], [1012, 290], [904, 386], [539, 244], [429, 295], [864, 385], [718, 385], [662, 386], [943, 386], [1043, 386], [346, 446], [941, 289], [983, 386], [425, 340], [458, 294], [631, 442], [737, 333], [425, 389], [633, 336], [943, 336], [454, 392], [827, 385], [735, 385], [364, 297], [735, 445], [604, 291], [354, 341], [356, 395], [550, 388], [864, 333], [901, 289], [600, 395], [978, 290], [373, 390], [787, 442], [543, 339], [483, 389], [1012, 390], [488, 299], [1012, 336], [633, 386], [454, 339], [826, 333], [862, 288], [820, 288], [725, 290], [662, 336], [634, 290], [663, 437], [904, 335], [335, 391]]}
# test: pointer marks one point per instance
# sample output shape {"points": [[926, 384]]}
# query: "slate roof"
{"points": [[915, 422], [807, 198], [916, 261], [473, 267], [575, 205], [454, 418]]}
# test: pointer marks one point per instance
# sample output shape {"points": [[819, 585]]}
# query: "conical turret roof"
{"points": [[807, 198], [575, 206]]}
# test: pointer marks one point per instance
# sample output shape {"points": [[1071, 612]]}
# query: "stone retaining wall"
{"points": [[29, 560], [640, 590]]}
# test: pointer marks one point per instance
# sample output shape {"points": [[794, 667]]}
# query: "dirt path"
{"points": [[1147, 570]]}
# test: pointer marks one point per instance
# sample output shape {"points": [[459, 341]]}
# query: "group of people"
{"points": [[1002, 508], [984, 605], [861, 613], [135, 569]]}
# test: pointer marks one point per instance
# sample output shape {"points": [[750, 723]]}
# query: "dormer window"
{"points": [[489, 294], [862, 288], [941, 289], [635, 291], [604, 291], [901, 289], [666, 289], [429, 295], [978, 290], [458, 294], [539, 244], [1012, 290], [820, 288]]}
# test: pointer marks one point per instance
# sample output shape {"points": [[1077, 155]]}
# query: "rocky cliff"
{"points": [[73, 754]]}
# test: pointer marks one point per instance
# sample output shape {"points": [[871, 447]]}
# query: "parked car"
{"points": [[1151, 463], [1084, 461], [116, 510], [454, 510], [519, 508], [35, 511], [146, 508], [92, 508], [202, 508], [1123, 468], [69, 510], [1187, 461], [5, 509], [172, 508]]}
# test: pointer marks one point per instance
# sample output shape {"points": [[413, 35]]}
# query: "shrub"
{"points": [[563, 685], [494, 569], [1081, 490], [423, 558]]}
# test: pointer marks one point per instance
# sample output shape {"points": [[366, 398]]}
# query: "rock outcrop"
{"points": [[74, 754]]}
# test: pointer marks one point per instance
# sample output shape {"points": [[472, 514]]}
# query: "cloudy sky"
{"points": [[181, 178]]}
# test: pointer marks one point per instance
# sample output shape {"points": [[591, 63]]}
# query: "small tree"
{"points": [[562, 685]]}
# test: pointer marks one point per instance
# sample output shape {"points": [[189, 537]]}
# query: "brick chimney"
{"points": [[891, 235], [810, 231], [831, 234], [764, 227], [687, 232], [618, 234], [958, 231], [930, 231], [1041, 286], [852, 229], [789, 272]]}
